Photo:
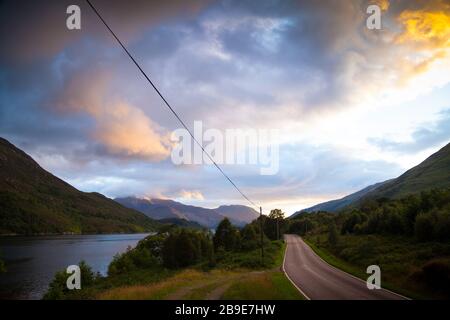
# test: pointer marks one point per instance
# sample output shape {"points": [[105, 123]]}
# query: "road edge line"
{"points": [[395, 293], [287, 276]]}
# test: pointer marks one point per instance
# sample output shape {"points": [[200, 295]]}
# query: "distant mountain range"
{"points": [[434, 172], [33, 201], [168, 209], [182, 223]]}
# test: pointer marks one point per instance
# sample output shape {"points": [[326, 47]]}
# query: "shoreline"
{"points": [[11, 235]]}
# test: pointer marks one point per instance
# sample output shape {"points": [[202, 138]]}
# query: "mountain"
{"points": [[182, 223], [238, 212], [433, 172], [338, 204], [163, 209], [33, 201]]}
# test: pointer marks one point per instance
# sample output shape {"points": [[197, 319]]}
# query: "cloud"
{"points": [[119, 128], [191, 195], [428, 28], [126, 131], [424, 137], [383, 4], [75, 101], [40, 30]]}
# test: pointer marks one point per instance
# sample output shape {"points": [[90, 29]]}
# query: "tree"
{"points": [[58, 290], [333, 236], [186, 247], [424, 227], [249, 237], [277, 215], [226, 236], [2, 266]]}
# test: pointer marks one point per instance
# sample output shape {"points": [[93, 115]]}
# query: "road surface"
{"points": [[316, 279]]}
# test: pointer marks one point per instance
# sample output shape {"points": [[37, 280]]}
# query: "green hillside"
{"points": [[33, 201], [434, 172]]}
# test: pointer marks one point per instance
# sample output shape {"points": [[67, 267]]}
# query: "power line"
{"points": [[167, 104]]}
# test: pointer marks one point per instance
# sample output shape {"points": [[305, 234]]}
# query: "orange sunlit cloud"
{"points": [[430, 30]]}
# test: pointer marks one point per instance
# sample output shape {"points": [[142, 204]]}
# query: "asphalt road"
{"points": [[317, 280]]}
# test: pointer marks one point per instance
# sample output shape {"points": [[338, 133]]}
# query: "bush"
{"points": [[442, 228], [436, 275], [424, 227], [58, 287], [333, 236], [137, 258], [350, 222]]}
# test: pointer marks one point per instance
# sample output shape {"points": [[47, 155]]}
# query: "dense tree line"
{"points": [[425, 216], [185, 247], [175, 247]]}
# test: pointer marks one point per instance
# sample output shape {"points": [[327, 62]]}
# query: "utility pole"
{"points": [[278, 229], [262, 237]]}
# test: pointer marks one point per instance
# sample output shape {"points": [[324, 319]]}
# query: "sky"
{"points": [[353, 106]]}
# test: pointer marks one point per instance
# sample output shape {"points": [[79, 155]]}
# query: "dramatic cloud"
{"points": [[75, 101], [121, 128], [428, 28]]}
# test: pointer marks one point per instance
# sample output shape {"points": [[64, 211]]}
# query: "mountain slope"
{"points": [[433, 172], [34, 201], [238, 212], [338, 204], [168, 209], [182, 223]]}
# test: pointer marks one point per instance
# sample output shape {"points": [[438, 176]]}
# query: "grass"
{"points": [[231, 282], [399, 258], [279, 257], [202, 292], [270, 285], [158, 290], [273, 256], [194, 284], [336, 262], [236, 275], [266, 285]]}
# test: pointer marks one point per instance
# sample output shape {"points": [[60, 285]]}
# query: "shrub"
{"points": [[442, 228], [424, 227], [333, 236], [436, 275], [58, 287], [137, 258]]}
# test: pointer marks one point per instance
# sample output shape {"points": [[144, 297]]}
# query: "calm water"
{"points": [[31, 262]]}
